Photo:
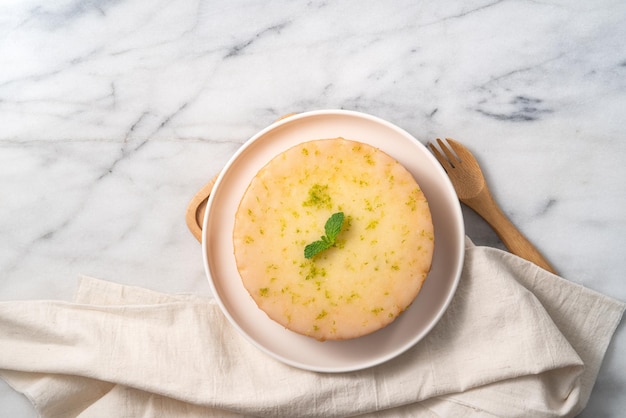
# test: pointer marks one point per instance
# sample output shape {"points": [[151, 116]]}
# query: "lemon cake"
{"points": [[333, 239]]}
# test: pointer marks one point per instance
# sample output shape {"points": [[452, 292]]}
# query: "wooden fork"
{"points": [[471, 188]]}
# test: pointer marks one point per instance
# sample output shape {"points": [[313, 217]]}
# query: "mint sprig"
{"points": [[332, 229]]}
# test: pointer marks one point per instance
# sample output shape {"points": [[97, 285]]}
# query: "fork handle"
{"points": [[513, 239]]}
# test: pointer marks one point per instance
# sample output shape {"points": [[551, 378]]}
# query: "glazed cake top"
{"points": [[375, 267]]}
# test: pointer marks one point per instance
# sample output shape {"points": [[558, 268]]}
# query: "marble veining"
{"points": [[114, 112]]}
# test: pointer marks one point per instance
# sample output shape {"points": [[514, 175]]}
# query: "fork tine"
{"points": [[442, 160], [446, 148], [458, 149], [463, 153]]}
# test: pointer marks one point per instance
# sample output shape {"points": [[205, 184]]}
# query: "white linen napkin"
{"points": [[515, 341]]}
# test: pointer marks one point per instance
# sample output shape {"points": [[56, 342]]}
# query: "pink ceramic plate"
{"points": [[304, 352]]}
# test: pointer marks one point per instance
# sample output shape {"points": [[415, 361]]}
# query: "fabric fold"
{"points": [[515, 341]]}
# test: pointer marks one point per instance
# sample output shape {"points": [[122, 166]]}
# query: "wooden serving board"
{"points": [[196, 208]]}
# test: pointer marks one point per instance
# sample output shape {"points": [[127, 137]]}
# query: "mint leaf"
{"points": [[315, 247], [333, 226], [332, 229]]}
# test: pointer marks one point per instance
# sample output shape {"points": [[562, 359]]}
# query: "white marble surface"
{"points": [[114, 112]]}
